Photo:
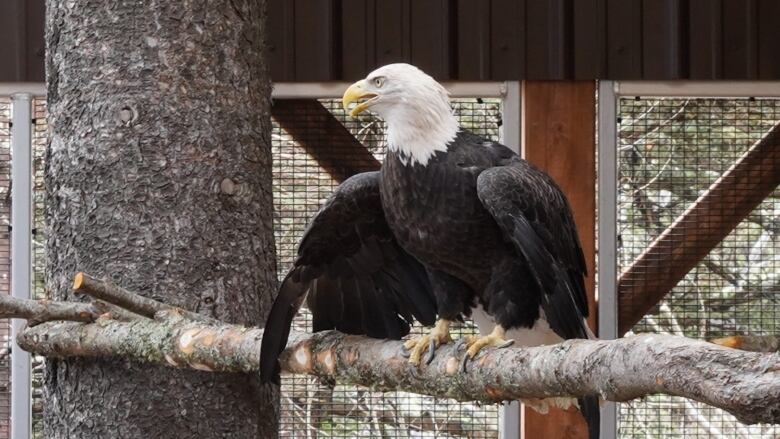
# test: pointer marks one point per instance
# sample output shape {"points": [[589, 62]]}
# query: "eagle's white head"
{"points": [[416, 108]]}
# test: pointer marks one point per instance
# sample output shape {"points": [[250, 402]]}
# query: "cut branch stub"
{"points": [[37, 311], [108, 292]]}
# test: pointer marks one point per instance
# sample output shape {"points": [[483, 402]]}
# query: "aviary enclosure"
{"points": [[669, 151], [687, 227]]}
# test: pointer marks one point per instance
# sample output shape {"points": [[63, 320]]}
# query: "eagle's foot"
{"points": [[440, 334], [475, 344]]}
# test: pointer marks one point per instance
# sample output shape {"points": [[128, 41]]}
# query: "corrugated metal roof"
{"points": [[322, 40]]}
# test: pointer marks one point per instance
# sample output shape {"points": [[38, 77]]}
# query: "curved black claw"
{"points": [[431, 350], [506, 344], [464, 362]]}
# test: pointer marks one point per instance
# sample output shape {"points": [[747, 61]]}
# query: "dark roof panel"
{"points": [[21, 41], [662, 39], [740, 45], [507, 39], [589, 35], [624, 39], [768, 40], [341, 40], [473, 40], [705, 37]]}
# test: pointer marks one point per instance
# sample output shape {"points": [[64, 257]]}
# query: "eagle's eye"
{"points": [[379, 81]]}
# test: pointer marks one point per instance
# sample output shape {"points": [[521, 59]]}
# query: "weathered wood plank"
{"points": [[315, 43], [740, 35], [473, 33], [507, 39], [768, 43], [589, 41], [392, 31], [559, 137], [705, 39], [431, 26], [357, 38], [548, 48], [624, 39], [281, 40], [662, 39]]}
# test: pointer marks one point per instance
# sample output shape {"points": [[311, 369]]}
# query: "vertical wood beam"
{"points": [[559, 120]]}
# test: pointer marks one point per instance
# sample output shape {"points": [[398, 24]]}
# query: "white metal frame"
{"points": [[607, 233], [34, 89], [510, 425], [21, 255], [293, 90], [698, 89], [21, 95]]}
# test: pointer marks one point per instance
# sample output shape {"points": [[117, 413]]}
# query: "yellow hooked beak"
{"points": [[355, 93]]}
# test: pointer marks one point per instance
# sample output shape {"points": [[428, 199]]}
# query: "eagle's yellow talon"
{"points": [[440, 334], [495, 339]]}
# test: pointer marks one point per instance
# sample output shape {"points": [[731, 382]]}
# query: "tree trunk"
{"points": [[158, 176]]}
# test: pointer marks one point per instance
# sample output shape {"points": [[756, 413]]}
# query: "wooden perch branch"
{"points": [[135, 303], [697, 231], [38, 311], [747, 384]]}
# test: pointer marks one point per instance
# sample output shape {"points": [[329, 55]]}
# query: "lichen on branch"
{"points": [[746, 384]]}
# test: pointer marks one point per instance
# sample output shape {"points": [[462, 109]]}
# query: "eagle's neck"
{"points": [[422, 129]]}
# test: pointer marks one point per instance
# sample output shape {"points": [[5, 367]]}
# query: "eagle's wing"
{"points": [[358, 279], [535, 216]]}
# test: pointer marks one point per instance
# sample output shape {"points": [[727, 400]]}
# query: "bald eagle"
{"points": [[452, 226]]}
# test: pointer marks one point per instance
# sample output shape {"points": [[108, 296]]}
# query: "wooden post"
{"points": [[559, 120]]}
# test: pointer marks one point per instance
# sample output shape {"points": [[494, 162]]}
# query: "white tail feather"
{"points": [[539, 335]]}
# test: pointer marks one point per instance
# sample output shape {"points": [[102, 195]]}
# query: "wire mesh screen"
{"points": [[303, 178], [670, 152], [39, 141], [5, 264]]}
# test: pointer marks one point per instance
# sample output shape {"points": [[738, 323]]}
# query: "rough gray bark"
{"points": [[159, 176], [38, 311], [35, 311], [746, 384]]}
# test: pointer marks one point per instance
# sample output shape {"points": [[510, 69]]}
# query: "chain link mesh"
{"points": [[39, 141], [669, 152], [314, 410], [5, 264], [300, 186]]}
